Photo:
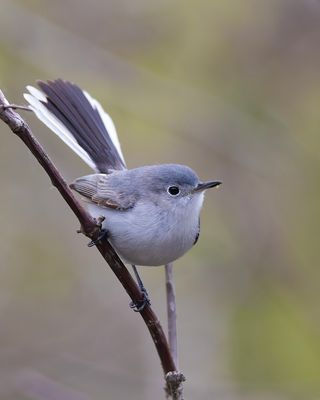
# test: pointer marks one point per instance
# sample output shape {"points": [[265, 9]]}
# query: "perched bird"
{"points": [[151, 212]]}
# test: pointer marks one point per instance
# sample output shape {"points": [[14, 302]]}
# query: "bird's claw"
{"points": [[141, 304], [103, 234]]}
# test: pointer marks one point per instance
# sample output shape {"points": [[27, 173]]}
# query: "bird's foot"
{"points": [[141, 304], [103, 234]]}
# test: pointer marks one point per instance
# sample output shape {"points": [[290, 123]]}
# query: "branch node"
{"points": [[19, 126], [92, 231], [99, 220], [174, 388]]}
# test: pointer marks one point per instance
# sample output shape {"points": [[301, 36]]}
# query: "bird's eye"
{"points": [[173, 190]]}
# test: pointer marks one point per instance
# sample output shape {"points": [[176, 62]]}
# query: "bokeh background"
{"points": [[230, 88]]}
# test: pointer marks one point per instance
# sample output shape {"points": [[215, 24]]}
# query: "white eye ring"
{"points": [[173, 190]]}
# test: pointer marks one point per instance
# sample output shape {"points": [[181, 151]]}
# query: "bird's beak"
{"points": [[206, 185]]}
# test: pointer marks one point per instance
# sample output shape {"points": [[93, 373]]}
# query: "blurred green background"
{"points": [[230, 88]]}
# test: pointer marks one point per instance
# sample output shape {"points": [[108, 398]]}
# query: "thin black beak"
{"points": [[206, 185]]}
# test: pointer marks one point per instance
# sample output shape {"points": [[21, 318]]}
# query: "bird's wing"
{"points": [[96, 189]]}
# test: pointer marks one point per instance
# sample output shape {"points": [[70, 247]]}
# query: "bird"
{"points": [[151, 213]]}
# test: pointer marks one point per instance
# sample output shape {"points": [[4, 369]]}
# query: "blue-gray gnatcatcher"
{"points": [[151, 212]]}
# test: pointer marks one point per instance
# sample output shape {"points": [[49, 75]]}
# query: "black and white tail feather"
{"points": [[80, 121]]}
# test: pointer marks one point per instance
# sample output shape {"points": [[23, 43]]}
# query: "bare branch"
{"points": [[90, 228], [15, 107]]}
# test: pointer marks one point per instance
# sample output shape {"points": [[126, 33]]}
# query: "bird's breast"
{"points": [[148, 234]]}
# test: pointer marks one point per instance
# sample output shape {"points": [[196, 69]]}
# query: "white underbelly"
{"points": [[149, 236]]}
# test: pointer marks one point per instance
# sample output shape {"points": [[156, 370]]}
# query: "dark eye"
{"points": [[173, 190]]}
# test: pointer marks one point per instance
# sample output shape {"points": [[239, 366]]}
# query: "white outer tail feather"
{"points": [[52, 122], [108, 123]]}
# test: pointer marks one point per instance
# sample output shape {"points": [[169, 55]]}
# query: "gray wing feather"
{"points": [[99, 189]]}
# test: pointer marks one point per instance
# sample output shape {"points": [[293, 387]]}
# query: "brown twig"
{"points": [[91, 228]]}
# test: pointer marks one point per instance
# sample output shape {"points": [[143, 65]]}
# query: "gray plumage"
{"points": [[156, 228], [151, 212], [121, 189], [146, 224]]}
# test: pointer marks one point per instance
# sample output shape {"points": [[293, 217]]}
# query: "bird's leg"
{"points": [[140, 305]]}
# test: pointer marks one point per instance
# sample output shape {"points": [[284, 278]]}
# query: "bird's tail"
{"points": [[80, 121]]}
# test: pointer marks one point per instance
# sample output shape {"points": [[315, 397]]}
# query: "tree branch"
{"points": [[91, 228], [15, 107]]}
